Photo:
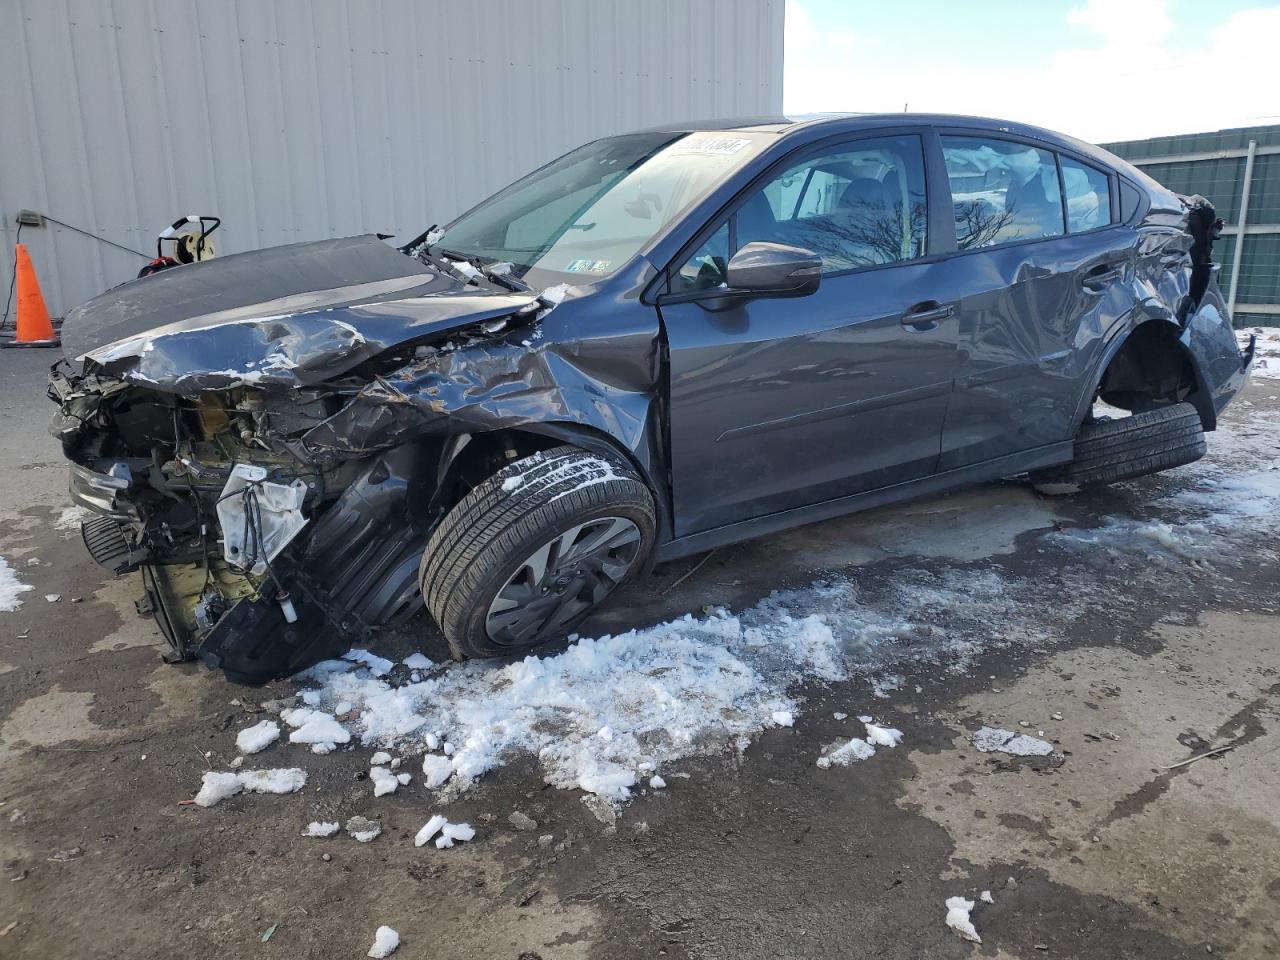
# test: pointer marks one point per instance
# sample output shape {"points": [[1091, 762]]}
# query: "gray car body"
{"points": [[744, 414]]}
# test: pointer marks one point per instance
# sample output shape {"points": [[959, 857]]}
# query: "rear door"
{"points": [[780, 403], [1036, 278]]}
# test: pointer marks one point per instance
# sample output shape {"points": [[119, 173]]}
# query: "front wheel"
{"points": [[526, 555]]}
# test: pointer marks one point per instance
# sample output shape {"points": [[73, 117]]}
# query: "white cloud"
{"points": [[1120, 74]]}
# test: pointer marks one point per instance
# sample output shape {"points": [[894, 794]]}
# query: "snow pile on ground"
{"points": [[315, 727], [318, 828], [1266, 359], [216, 787], [882, 736], [992, 739], [688, 687], [258, 737], [448, 833], [842, 754], [385, 941], [958, 918], [362, 829], [10, 588]]}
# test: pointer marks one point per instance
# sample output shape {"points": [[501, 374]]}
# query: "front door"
{"points": [[777, 403]]}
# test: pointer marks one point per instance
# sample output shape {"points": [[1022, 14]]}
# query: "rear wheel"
{"points": [[1129, 447], [526, 555]]}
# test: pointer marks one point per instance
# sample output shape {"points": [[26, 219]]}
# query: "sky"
{"points": [[1101, 70]]}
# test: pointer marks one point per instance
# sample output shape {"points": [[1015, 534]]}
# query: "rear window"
{"points": [[1088, 191]]}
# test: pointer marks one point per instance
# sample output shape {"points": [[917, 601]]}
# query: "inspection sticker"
{"points": [[719, 145], [587, 266]]}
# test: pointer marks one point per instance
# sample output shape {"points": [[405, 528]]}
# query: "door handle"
{"points": [[927, 315], [1098, 277]]}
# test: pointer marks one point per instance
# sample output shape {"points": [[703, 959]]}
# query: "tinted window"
{"points": [[1088, 192], [1001, 191], [1129, 199], [860, 204], [707, 267]]}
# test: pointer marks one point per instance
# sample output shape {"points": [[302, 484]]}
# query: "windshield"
{"points": [[585, 215]]}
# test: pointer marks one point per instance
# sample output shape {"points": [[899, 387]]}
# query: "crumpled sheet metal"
{"points": [[487, 386], [272, 351], [281, 317]]}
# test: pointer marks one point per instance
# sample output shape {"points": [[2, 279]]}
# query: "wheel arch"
{"points": [[479, 452], [1139, 339]]}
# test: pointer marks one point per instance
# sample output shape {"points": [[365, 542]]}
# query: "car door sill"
{"points": [[1045, 456]]}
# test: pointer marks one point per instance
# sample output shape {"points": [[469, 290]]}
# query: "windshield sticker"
{"points": [[716, 145], [588, 266]]}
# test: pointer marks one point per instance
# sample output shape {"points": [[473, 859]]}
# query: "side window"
{"points": [[706, 268], [1088, 193], [1001, 191], [858, 204], [1129, 200]]}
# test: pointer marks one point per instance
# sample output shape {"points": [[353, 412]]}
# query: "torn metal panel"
{"points": [[284, 317], [482, 387]]}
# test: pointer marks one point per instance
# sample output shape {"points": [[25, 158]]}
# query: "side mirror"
{"points": [[774, 269]]}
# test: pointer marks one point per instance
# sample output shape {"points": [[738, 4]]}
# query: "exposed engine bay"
{"points": [[275, 479]]}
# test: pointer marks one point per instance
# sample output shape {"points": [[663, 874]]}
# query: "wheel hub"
{"points": [[562, 579]]}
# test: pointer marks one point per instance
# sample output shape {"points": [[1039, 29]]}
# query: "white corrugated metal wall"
{"points": [[302, 119]]}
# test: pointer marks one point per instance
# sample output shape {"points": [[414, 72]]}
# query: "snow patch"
{"points": [[216, 787], [378, 666], [418, 661], [384, 781], [363, 830], [688, 687], [71, 518], [429, 830], [437, 770], [1266, 358], [385, 941], [10, 588], [994, 739], [258, 737], [315, 727], [958, 918], [285, 780], [883, 736], [841, 754], [318, 828]]}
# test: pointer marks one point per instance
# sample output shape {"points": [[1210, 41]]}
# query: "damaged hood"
{"points": [[285, 316]]}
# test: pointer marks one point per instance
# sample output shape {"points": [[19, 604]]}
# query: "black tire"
{"points": [[493, 533], [1135, 446]]}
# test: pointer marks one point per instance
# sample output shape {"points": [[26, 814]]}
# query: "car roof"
{"points": [[816, 125]]}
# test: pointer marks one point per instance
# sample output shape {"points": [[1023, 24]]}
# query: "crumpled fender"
{"points": [[482, 387]]}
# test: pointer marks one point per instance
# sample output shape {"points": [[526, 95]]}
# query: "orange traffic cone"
{"points": [[34, 328]]}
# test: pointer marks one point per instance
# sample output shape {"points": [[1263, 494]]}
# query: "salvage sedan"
{"points": [[655, 345]]}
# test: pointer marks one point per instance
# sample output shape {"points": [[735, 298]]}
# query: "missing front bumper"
{"points": [[251, 638]]}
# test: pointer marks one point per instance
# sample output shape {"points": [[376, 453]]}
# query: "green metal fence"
{"points": [[1227, 166]]}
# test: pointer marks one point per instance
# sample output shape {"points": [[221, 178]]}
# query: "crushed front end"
{"points": [[253, 558]]}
